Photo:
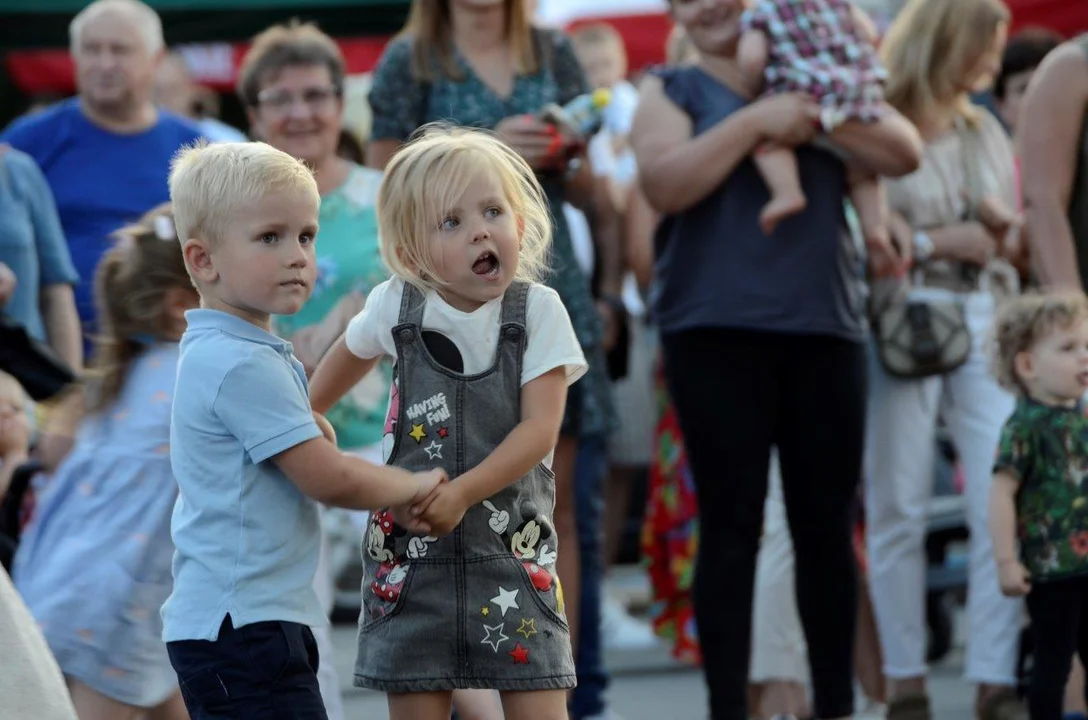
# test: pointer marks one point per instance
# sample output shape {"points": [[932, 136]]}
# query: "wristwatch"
{"points": [[923, 247]]}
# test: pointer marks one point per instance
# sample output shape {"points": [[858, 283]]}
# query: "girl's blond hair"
{"points": [[130, 287], [433, 54], [1026, 320], [425, 180], [929, 47]]}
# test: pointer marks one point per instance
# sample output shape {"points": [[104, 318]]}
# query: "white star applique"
{"points": [[506, 599], [434, 450], [494, 641]]}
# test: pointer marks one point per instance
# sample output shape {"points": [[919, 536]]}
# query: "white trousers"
{"points": [[327, 677], [778, 642], [899, 484]]}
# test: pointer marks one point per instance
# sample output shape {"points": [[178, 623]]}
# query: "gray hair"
{"points": [[146, 19]]}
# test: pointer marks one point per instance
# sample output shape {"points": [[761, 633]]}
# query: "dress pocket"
{"points": [[543, 586], [385, 587]]}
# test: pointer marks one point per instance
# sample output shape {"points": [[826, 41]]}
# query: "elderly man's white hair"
{"points": [[147, 20]]}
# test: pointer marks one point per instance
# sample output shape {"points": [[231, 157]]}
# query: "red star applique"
{"points": [[520, 655], [443, 432]]}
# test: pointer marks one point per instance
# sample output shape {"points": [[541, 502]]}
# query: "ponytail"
{"points": [[131, 286]]}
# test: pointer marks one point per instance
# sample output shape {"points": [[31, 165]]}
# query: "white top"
{"points": [[550, 339]]}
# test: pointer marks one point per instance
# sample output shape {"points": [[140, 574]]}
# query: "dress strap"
{"points": [[411, 306], [514, 303]]}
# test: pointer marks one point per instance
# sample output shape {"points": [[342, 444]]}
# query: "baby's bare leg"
{"points": [[778, 167]]}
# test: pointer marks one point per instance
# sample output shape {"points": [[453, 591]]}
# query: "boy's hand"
{"points": [[442, 510], [326, 427], [1014, 578]]}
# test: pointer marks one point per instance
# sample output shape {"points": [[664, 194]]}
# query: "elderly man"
{"points": [[105, 153], [1052, 139]]}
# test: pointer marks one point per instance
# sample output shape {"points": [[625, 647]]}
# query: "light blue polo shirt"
{"points": [[246, 539]]}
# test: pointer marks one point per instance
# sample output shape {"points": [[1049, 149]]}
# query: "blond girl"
{"points": [[484, 356]]}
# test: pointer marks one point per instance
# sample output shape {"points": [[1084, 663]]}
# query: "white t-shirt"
{"points": [[550, 338]]}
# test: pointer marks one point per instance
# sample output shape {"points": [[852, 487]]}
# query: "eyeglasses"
{"points": [[317, 99]]}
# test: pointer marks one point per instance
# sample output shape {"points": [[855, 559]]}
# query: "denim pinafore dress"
{"points": [[481, 607]]}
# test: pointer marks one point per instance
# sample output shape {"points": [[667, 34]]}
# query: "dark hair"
{"points": [[292, 44], [350, 147], [1024, 52], [130, 287]]}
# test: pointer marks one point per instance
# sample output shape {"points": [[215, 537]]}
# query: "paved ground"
{"points": [[648, 686]]}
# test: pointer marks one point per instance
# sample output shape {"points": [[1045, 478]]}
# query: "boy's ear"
{"points": [[1024, 366], [198, 259]]}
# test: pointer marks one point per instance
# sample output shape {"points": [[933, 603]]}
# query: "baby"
{"points": [[826, 49]]}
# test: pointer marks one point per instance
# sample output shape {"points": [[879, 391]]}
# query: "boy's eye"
{"points": [[449, 223], [306, 238]]}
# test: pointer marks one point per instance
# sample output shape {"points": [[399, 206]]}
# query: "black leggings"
{"points": [[1059, 628], [738, 393]]}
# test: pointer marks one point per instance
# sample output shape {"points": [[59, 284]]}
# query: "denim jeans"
{"points": [[592, 465]]}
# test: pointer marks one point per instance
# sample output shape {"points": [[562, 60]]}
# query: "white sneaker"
{"points": [[620, 631]]}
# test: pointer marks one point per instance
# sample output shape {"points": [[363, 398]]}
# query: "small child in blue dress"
{"points": [[483, 358], [93, 564], [250, 458]]}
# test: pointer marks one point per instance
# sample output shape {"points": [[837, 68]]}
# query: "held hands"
{"points": [[1014, 578], [441, 510], [427, 486]]}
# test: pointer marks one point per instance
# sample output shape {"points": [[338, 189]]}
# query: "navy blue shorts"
{"points": [[266, 670]]}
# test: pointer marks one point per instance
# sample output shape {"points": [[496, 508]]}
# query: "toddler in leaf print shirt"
{"points": [[1040, 489]]}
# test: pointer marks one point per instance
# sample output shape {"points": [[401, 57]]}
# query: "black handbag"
{"points": [[30, 361]]}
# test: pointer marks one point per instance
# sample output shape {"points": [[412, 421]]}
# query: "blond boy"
{"points": [[250, 459]]}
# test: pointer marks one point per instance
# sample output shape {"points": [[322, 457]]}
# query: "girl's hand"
{"points": [[442, 510], [1014, 578], [789, 119]]}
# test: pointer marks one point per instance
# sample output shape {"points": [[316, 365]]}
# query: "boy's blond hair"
{"points": [[425, 180], [1026, 320], [210, 183]]}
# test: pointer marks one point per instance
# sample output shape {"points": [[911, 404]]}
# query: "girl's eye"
{"points": [[493, 212], [269, 238], [449, 223]]}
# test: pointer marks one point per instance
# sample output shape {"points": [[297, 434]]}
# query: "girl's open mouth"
{"points": [[487, 265]]}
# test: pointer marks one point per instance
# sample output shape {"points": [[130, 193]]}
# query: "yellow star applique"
{"points": [[528, 627], [418, 433], [485, 611]]}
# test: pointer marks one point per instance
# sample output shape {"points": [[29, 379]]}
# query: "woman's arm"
{"points": [[641, 222], [542, 403], [677, 170], [1048, 134], [61, 321], [890, 146]]}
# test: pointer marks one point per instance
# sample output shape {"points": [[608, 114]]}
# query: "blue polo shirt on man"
{"points": [[101, 180], [246, 539]]}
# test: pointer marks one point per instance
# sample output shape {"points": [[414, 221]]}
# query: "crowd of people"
{"points": [[769, 277]]}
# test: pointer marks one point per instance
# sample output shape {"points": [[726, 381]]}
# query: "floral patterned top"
{"points": [[1046, 448], [400, 103]]}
